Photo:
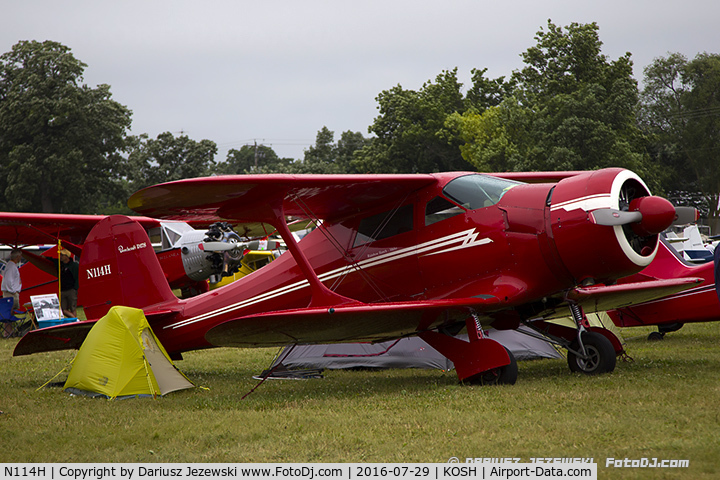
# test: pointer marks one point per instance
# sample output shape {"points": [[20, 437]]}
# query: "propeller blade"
{"points": [[685, 215], [612, 217], [219, 246]]}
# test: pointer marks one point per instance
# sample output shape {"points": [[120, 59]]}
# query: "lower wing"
{"points": [[376, 322], [608, 297], [345, 323], [61, 337], [68, 336]]}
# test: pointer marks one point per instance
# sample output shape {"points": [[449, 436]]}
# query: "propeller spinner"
{"points": [[646, 215]]}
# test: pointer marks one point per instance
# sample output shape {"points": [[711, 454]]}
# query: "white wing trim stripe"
{"points": [[460, 240]]}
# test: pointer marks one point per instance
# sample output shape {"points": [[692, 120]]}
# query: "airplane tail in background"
{"points": [[118, 266]]}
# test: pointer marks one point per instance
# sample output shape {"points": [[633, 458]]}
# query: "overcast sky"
{"points": [[276, 72]]}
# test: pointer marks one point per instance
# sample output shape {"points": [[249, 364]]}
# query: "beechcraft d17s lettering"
{"points": [[122, 249], [394, 256]]}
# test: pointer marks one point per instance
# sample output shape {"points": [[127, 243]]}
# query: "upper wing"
{"points": [[536, 177], [18, 229], [250, 198]]}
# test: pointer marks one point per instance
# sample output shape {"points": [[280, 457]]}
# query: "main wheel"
{"points": [[506, 375], [656, 336], [600, 355]]}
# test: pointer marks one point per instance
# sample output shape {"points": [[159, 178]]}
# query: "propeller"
{"points": [[233, 245], [686, 215], [219, 246], [646, 215], [611, 217]]}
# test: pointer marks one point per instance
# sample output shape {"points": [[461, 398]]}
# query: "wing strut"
{"points": [[321, 295]]}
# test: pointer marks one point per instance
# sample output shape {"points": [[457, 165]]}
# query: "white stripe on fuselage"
{"points": [[456, 241]]}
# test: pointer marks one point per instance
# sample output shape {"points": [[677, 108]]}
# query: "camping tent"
{"points": [[121, 357], [411, 352]]}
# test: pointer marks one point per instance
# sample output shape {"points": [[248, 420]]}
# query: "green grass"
{"points": [[665, 404]]}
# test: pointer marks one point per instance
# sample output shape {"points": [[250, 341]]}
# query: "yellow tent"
{"points": [[121, 357]]}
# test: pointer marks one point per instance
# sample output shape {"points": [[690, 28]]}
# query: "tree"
{"points": [[410, 131], [564, 60], [347, 148], [60, 140], [570, 109], [701, 135], [320, 158], [680, 110], [485, 92], [585, 104], [253, 159], [327, 156], [168, 158], [498, 140]]}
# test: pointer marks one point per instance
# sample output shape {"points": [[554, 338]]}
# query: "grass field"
{"points": [[665, 405]]}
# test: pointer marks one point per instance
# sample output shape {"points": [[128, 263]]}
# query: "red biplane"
{"points": [[393, 256]]}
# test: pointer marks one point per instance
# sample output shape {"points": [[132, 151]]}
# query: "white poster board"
{"points": [[47, 307]]}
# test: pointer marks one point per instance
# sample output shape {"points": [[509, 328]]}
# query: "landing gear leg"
{"points": [[480, 360], [590, 353], [506, 375]]}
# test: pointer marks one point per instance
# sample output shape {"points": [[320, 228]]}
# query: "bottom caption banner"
{"points": [[297, 471]]}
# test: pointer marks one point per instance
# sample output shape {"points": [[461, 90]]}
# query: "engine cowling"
{"points": [[605, 224]]}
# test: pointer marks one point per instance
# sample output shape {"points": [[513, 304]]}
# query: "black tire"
{"points": [[600, 351], [656, 336], [506, 375]]}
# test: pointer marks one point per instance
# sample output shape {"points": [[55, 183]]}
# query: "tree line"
{"points": [[65, 147]]}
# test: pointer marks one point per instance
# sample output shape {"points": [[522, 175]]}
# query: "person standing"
{"points": [[11, 282], [68, 283]]}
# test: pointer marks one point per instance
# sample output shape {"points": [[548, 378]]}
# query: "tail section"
{"points": [[118, 266]]}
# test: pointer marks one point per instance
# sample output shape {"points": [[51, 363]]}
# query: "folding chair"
{"points": [[12, 326]]}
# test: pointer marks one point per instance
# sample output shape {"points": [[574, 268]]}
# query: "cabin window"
{"points": [[477, 191], [439, 209], [384, 225]]}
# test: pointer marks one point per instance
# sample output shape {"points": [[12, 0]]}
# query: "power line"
{"points": [[268, 142], [697, 113]]}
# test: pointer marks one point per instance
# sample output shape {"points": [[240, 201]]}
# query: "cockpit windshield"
{"points": [[477, 191]]}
